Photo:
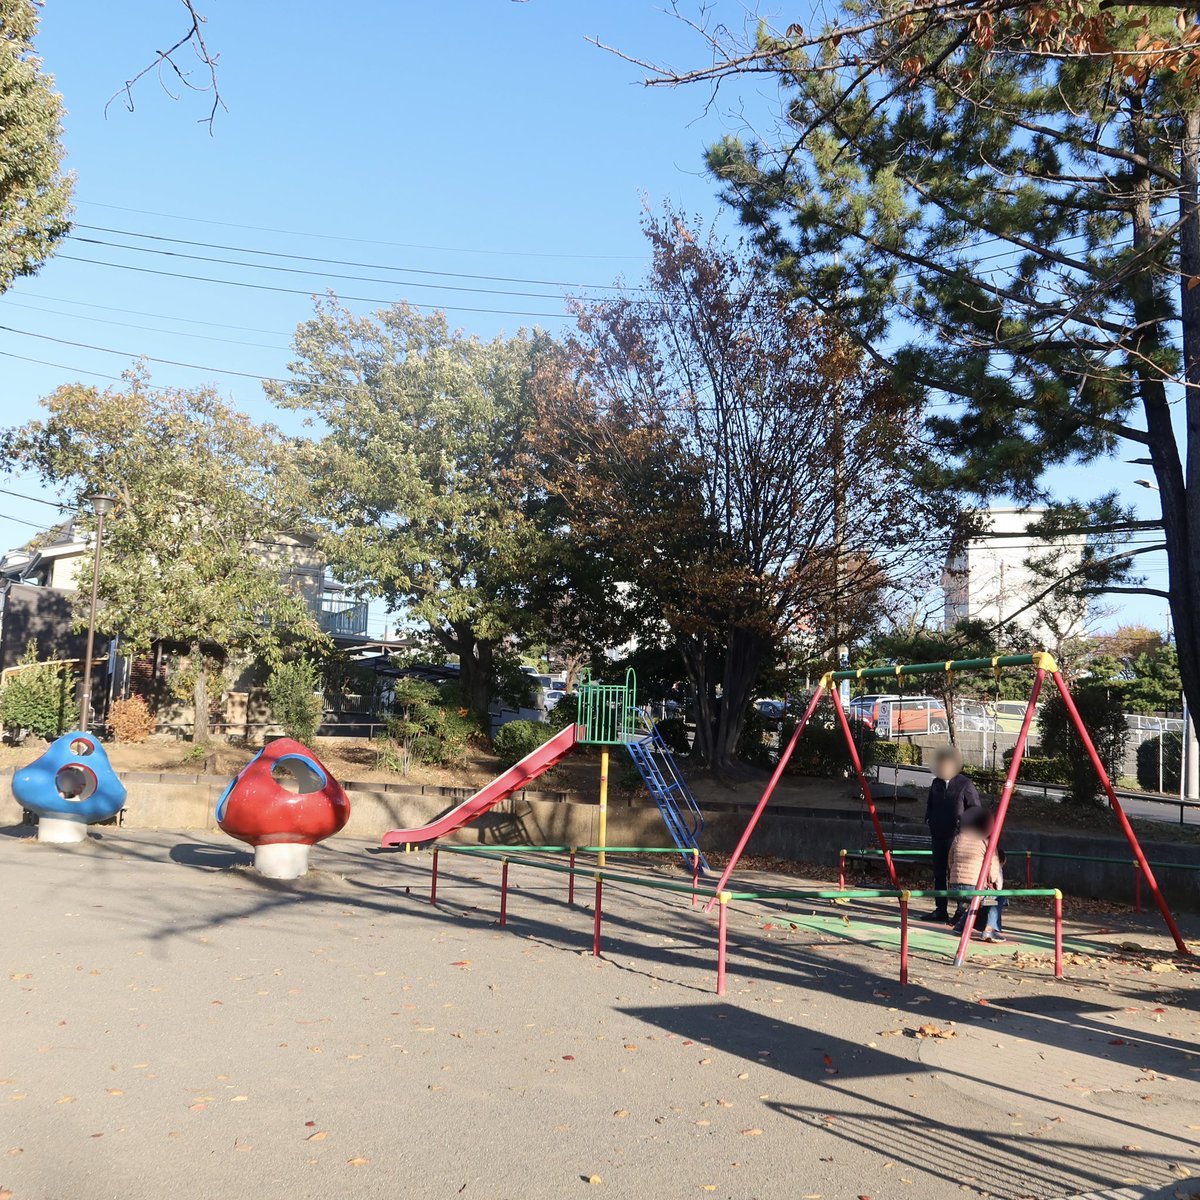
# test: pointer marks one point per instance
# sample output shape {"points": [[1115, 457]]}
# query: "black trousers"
{"points": [[941, 869]]}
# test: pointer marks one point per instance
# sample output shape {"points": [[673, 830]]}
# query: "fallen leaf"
{"points": [[752, 1133], [319, 1136], [357, 1162], [594, 1179], [65, 1100], [621, 1112]]}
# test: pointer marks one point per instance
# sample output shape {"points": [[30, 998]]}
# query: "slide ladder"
{"points": [[670, 792]]}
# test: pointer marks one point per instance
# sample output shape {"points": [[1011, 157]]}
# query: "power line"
{"points": [[34, 499], [341, 262], [330, 237], [134, 312], [264, 287], [233, 262], [170, 362], [206, 337], [22, 521]]}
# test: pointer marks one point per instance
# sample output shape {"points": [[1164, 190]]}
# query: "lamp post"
{"points": [[102, 505]]}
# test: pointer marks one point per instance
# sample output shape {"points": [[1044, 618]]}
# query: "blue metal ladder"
{"points": [[667, 787]]}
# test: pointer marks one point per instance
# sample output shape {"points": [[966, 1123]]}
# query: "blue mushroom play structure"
{"points": [[69, 787]]}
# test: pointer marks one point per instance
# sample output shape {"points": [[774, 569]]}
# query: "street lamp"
{"points": [[102, 505], [1149, 484]]}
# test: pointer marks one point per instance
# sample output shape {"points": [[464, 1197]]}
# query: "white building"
{"points": [[989, 577]]}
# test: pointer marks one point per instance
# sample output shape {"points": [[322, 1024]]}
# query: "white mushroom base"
{"points": [[61, 830], [281, 860]]}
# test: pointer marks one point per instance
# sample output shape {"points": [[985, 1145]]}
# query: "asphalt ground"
{"points": [[176, 1026]]}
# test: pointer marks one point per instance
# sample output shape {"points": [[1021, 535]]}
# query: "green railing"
{"points": [[608, 711]]}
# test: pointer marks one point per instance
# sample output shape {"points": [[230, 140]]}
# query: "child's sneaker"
{"points": [[990, 935]]}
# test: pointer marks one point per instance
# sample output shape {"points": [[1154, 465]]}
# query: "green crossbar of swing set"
{"points": [[933, 668]]}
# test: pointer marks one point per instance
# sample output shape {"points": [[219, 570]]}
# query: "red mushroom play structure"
{"points": [[282, 802]]}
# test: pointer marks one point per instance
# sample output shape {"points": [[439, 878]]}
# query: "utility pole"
{"points": [[102, 505]]}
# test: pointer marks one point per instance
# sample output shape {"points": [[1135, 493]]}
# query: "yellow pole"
{"points": [[603, 804]]}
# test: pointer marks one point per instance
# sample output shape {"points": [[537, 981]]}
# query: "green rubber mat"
{"points": [[884, 934]]}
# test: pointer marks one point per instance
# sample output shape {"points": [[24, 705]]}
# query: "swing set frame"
{"points": [[1044, 664]]}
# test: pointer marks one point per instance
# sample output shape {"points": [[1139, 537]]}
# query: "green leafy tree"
{"points": [[418, 477], [1002, 200], [1145, 673], [743, 467], [295, 690], [38, 698], [35, 192], [192, 553], [1102, 713]]}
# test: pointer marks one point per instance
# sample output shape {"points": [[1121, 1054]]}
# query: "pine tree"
{"points": [[1001, 200]]}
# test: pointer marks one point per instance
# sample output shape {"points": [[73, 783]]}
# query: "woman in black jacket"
{"points": [[950, 795]]}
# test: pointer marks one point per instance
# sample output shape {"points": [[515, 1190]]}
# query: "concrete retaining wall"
{"points": [[175, 801]]}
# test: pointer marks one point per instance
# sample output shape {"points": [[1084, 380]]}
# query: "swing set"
{"points": [[1043, 664]]}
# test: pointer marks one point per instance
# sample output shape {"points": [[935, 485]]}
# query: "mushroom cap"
{"points": [[72, 778], [258, 809]]}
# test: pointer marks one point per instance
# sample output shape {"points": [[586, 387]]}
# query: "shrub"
{"points": [[752, 746], [1100, 708], [822, 748], [1038, 768], [516, 739], [1147, 762], [297, 704], [427, 725], [39, 698], [565, 712], [674, 733], [896, 753], [131, 719]]}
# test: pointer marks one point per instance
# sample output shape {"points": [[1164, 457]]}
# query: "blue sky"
{"points": [[480, 138]]}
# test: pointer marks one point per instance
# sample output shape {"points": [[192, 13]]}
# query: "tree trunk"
{"points": [[1187, 635], [200, 731], [717, 734], [743, 660], [695, 653], [476, 662], [1179, 494]]}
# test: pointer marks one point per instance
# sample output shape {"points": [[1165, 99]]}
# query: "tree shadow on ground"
{"points": [[840, 1085]]}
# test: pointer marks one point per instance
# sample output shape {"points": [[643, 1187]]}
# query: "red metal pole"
{"points": [[433, 879], [904, 897], [571, 881], [1122, 819], [862, 783], [771, 784], [842, 870], [722, 932], [1001, 812], [695, 874], [504, 894], [1029, 868], [596, 922], [1058, 957], [1137, 888]]}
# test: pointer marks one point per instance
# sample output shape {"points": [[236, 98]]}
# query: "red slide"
{"points": [[503, 786]]}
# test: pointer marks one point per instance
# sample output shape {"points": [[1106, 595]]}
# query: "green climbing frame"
{"points": [[608, 711]]}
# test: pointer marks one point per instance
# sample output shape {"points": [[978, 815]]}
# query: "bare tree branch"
{"points": [[165, 59]]}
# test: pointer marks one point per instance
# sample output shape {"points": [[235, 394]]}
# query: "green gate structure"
{"points": [[608, 711]]}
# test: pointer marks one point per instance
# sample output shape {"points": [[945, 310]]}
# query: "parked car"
{"points": [[1009, 714], [972, 716], [866, 709], [912, 715]]}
